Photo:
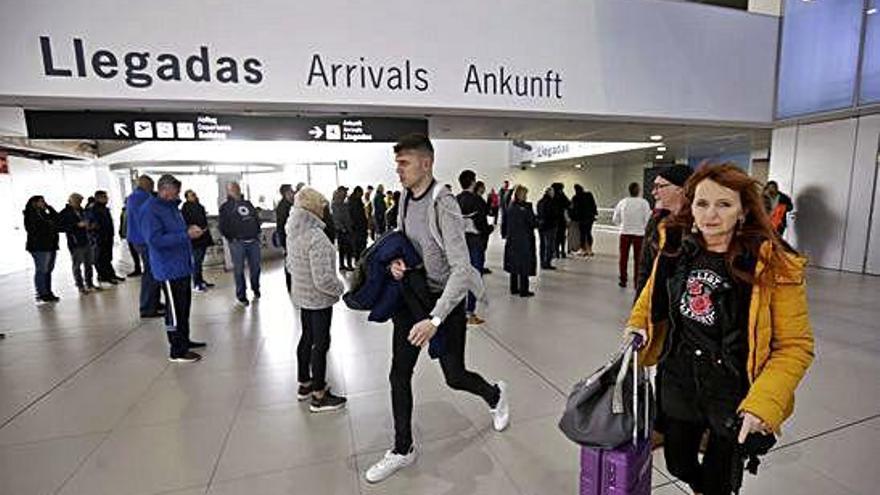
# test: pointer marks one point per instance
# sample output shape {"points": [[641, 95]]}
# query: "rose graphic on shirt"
{"points": [[696, 302]]}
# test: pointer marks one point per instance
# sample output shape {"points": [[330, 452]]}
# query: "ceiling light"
{"points": [[658, 157], [661, 148], [578, 166], [656, 137], [871, 11], [534, 166]]}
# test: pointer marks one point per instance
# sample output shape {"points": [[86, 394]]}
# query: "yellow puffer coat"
{"points": [[780, 337]]}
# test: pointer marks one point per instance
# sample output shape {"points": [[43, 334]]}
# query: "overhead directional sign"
{"points": [[215, 127]]}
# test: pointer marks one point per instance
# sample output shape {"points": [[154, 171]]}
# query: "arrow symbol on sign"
{"points": [[120, 129], [316, 132]]}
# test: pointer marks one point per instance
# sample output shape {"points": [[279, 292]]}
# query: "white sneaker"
{"points": [[501, 412], [199, 289], [389, 465]]}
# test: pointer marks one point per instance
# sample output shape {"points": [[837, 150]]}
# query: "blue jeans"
{"points": [[245, 250], [44, 263], [150, 288], [198, 261], [478, 261]]}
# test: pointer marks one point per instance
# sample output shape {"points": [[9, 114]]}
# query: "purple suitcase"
{"points": [[625, 470]]}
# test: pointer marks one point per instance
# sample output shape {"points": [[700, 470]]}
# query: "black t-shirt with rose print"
{"points": [[700, 303]]}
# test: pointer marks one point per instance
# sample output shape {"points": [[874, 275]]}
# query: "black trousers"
{"points": [[135, 257], [343, 243], [547, 246], [311, 353], [403, 362], [559, 249], [699, 394], [104, 261], [519, 284], [586, 230], [178, 295]]}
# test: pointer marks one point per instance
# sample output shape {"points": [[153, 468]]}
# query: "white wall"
{"points": [[608, 183], [830, 169], [633, 58]]}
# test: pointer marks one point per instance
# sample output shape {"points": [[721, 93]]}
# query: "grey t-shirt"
{"points": [[416, 227]]}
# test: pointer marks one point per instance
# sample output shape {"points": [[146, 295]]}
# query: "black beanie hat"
{"points": [[676, 174]]}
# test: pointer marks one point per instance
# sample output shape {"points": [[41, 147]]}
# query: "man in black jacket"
{"points": [[282, 213], [548, 221], [584, 211], [72, 221], [561, 205], [240, 225], [194, 214], [475, 211], [103, 235]]}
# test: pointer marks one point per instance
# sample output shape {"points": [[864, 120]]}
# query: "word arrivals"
{"points": [[106, 64], [503, 82], [366, 76]]}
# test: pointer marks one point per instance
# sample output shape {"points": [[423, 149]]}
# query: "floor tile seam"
{"points": [[176, 490], [496, 340], [232, 422], [71, 376], [51, 439], [350, 422], [825, 433], [82, 463], [275, 471], [484, 436]]}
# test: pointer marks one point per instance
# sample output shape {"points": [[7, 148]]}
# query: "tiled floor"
{"points": [[89, 405]]}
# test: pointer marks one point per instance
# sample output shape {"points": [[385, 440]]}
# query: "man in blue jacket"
{"points": [[149, 303], [168, 241]]}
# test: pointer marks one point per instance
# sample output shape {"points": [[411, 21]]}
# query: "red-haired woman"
{"points": [[725, 318]]}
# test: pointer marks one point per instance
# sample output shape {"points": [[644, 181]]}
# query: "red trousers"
{"points": [[625, 242]]}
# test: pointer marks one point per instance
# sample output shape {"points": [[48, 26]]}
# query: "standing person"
{"points": [[311, 261], [168, 240], [72, 221], [547, 223], [240, 225], [103, 236], [431, 220], [778, 206], [123, 234], [41, 224], [561, 204], [494, 205], [476, 228], [358, 222], [368, 212], [194, 214], [342, 221], [583, 212], [393, 211], [480, 191], [668, 193], [631, 215], [282, 212], [150, 288], [505, 198], [520, 259], [669, 199], [726, 304], [379, 210]]}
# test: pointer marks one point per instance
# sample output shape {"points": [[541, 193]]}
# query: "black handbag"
{"points": [[608, 408]]}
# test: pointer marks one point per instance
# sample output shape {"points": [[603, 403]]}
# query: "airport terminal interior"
{"points": [[622, 98]]}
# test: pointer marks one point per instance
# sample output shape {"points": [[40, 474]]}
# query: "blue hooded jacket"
{"points": [[133, 208], [164, 230]]}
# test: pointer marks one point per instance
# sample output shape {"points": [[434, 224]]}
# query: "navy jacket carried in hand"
{"points": [[164, 231]]}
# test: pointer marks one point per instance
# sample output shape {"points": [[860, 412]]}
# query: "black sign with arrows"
{"points": [[136, 126]]}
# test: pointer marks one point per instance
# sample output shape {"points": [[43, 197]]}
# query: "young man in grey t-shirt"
{"points": [[431, 218]]}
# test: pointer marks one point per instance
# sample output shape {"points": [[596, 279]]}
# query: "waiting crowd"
{"points": [[720, 297]]}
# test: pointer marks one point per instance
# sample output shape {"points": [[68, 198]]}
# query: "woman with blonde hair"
{"points": [[724, 316], [311, 261]]}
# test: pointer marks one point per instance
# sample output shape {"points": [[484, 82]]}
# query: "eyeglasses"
{"points": [[658, 187]]}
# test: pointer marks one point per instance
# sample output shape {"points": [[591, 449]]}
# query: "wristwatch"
{"points": [[436, 321]]}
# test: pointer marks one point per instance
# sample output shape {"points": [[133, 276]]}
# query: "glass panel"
{"points": [[819, 56], [870, 89]]}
